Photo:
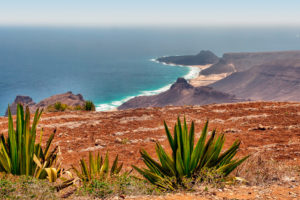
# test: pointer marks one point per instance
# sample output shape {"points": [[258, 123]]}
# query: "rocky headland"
{"points": [[202, 58], [234, 77], [67, 98], [181, 93]]}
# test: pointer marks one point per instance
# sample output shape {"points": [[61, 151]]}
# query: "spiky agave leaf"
{"points": [[97, 168], [188, 160], [19, 154]]}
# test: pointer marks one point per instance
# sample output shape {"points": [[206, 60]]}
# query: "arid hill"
{"points": [[269, 131], [237, 62], [278, 80], [181, 93]]}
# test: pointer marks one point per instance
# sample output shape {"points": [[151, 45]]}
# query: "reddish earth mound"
{"points": [[270, 129]]}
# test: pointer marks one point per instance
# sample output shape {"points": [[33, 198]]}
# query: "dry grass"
{"points": [[22, 187], [261, 170]]}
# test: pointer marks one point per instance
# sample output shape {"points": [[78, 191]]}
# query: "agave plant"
{"points": [[188, 160], [97, 168], [20, 155]]}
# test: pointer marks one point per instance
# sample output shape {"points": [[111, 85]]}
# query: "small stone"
{"points": [[98, 142], [118, 140]]}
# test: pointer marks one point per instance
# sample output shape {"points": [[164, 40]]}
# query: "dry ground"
{"points": [[267, 129]]}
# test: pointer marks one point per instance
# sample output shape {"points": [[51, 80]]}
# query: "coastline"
{"points": [[194, 72], [193, 77], [198, 80]]}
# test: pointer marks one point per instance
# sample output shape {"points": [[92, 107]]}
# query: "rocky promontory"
{"points": [[181, 93], [67, 98], [202, 58]]}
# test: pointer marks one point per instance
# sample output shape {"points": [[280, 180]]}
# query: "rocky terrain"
{"points": [[237, 62], [67, 98], [181, 93], [278, 81], [202, 58], [267, 130], [236, 76]]}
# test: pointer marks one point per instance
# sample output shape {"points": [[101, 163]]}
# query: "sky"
{"points": [[149, 13]]}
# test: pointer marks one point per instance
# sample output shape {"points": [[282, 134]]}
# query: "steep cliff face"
{"points": [[25, 100], [67, 98], [237, 62], [202, 58], [181, 93]]}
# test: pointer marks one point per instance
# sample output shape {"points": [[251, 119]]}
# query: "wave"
{"points": [[193, 73]]}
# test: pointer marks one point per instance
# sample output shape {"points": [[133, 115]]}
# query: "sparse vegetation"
{"points": [[89, 106], [120, 185], [25, 187], [260, 170], [186, 160], [189, 167], [97, 168], [60, 107], [57, 107], [20, 155]]}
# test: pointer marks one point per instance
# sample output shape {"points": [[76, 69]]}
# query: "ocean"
{"points": [[112, 65]]}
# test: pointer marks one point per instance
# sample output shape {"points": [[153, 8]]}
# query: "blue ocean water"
{"points": [[110, 65]]}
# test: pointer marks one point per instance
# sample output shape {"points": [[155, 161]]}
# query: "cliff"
{"points": [[180, 93], [202, 58], [67, 98]]}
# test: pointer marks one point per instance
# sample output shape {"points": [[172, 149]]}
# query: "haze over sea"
{"points": [[110, 65]]}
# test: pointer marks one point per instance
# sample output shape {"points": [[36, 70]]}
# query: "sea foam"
{"points": [[193, 73]]}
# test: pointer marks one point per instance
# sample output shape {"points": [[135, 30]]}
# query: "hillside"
{"points": [[237, 62], [278, 81], [269, 130], [181, 93]]}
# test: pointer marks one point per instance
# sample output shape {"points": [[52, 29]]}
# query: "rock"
{"points": [[231, 130], [67, 98], [260, 128], [118, 140], [99, 142], [24, 100], [92, 148]]}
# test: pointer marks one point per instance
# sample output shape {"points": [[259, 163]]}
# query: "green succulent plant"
{"points": [[20, 155], [97, 168], [188, 160]]}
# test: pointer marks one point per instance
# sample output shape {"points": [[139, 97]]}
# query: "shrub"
{"points": [[78, 107], [89, 106], [97, 168], [60, 107], [19, 155], [186, 160]]}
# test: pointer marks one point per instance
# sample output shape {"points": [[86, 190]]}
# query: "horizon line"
{"points": [[149, 25]]}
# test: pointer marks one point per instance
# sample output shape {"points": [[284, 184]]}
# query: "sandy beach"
{"points": [[203, 80]]}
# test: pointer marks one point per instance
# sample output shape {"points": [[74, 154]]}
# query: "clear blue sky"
{"points": [[150, 12]]}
